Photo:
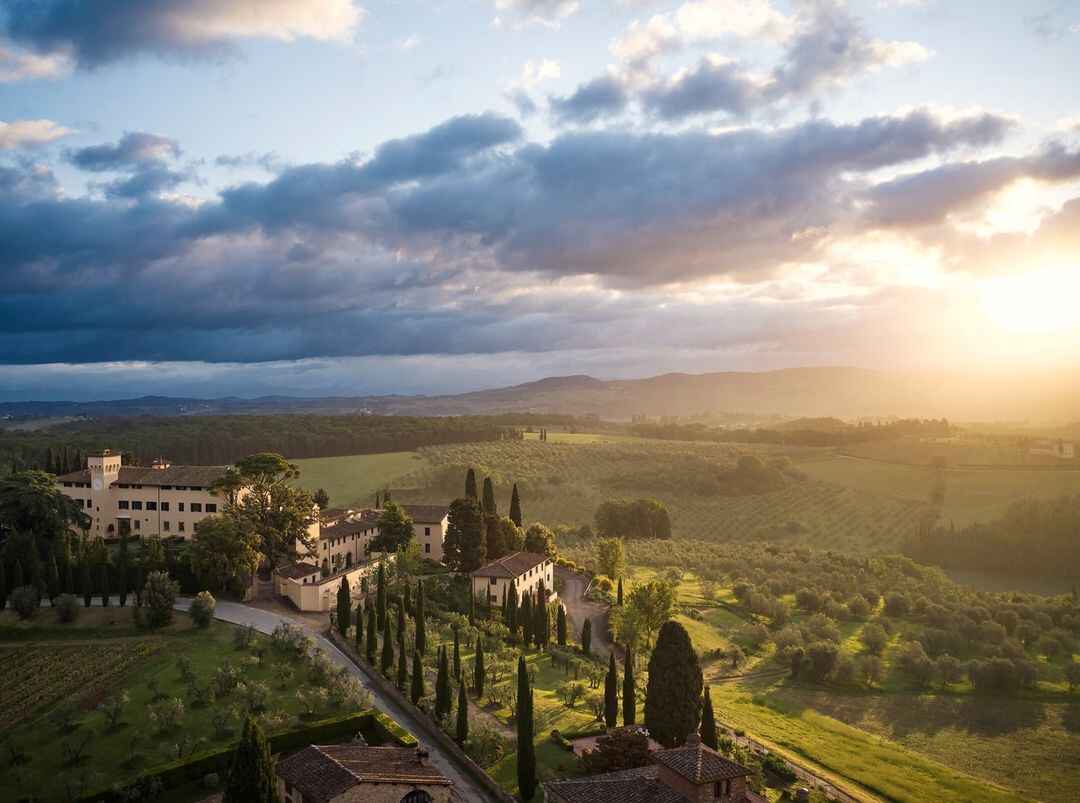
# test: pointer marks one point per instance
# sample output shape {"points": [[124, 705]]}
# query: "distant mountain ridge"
{"points": [[837, 392]]}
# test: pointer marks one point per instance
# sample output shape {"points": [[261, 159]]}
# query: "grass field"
{"points": [[970, 494], [353, 480]]}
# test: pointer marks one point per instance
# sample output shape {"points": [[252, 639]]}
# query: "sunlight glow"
{"points": [[1039, 302]]}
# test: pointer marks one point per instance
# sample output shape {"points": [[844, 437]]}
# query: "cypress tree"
{"points": [[387, 649], [673, 695], [138, 585], [505, 612], [359, 628], [526, 750], [457, 655], [611, 700], [344, 607], [708, 721], [462, 730], [69, 578], [17, 575], [586, 637], [408, 600], [525, 619], [542, 628], [103, 585], [85, 582], [618, 599], [402, 668], [478, 668], [443, 700], [401, 623], [490, 508], [472, 608], [629, 691], [421, 624], [372, 636], [123, 579], [251, 775], [470, 485], [560, 626], [53, 578], [417, 690], [515, 506], [3, 585], [512, 608], [380, 598]]}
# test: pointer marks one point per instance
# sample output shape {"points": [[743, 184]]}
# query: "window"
{"points": [[427, 531], [67, 484], [211, 507], [180, 526], [180, 506], [123, 504], [493, 581], [166, 487], [165, 526], [165, 507], [427, 547], [136, 505], [151, 505], [196, 507]]}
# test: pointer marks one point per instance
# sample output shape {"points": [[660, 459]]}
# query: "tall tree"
{"points": [[32, 503], [421, 621], [401, 622], [478, 668], [387, 662], [344, 606], [17, 576], [224, 555], [3, 585], [493, 538], [395, 529], [542, 626], [457, 654], [443, 694], [515, 506], [359, 627], [272, 507], [560, 626], [402, 667], [464, 548], [512, 608], [461, 732], [673, 694], [123, 569], [618, 598], [526, 749], [251, 774], [489, 505], [417, 689], [321, 498], [525, 618], [104, 584], [629, 690], [380, 597], [586, 637], [539, 539], [372, 635], [708, 721], [470, 485], [611, 697], [52, 581]]}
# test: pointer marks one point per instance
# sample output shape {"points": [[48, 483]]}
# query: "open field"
{"points": [[353, 480], [67, 739], [970, 494]]}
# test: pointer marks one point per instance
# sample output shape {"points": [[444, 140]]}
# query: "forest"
{"points": [[801, 432]]}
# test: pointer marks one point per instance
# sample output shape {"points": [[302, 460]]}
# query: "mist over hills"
{"points": [[797, 392]]}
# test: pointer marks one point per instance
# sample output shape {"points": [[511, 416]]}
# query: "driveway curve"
{"points": [[578, 609], [265, 621]]}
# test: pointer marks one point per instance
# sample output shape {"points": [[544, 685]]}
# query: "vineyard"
{"points": [[40, 674], [563, 483]]}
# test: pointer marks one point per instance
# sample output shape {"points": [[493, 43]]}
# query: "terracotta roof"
{"points": [[513, 565], [426, 514], [346, 527], [322, 772], [332, 513], [202, 476], [698, 763], [628, 786], [298, 570]]}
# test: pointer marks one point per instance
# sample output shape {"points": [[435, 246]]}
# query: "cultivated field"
{"points": [[353, 480]]}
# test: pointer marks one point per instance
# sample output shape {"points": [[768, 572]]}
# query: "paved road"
{"points": [[578, 609], [265, 622]]}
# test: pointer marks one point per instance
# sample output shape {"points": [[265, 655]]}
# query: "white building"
{"points": [[526, 569]]}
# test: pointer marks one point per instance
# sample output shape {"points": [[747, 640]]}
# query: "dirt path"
{"points": [[578, 609]]}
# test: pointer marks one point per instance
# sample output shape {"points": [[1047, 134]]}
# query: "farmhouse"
{"points": [[692, 773], [351, 773], [162, 499], [525, 569]]}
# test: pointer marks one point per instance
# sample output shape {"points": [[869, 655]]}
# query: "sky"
{"points": [[328, 197]]}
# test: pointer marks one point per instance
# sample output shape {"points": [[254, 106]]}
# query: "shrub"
{"points": [[243, 636], [25, 601], [875, 638], [202, 609], [159, 596], [167, 714], [67, 608]]}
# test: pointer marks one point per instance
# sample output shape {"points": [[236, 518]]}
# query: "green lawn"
{"points": [[354, 479]]}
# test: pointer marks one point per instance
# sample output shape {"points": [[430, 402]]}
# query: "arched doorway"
{"points": [[417, 796]]}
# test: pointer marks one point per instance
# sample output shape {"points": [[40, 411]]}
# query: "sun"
{"points": [[1039, 302]]}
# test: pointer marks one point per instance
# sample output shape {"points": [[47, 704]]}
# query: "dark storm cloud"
{"points": [[601, 97], [134, 149], [708, 87], [410, 251]]}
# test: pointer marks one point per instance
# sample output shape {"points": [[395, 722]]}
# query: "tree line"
{"points": [[812, 434]]}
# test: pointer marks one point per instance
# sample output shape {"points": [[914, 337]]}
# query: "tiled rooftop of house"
{"points": [[323, 772], [513, 565]]}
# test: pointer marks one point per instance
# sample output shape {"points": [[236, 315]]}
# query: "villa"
{"points": [[525, 569]]}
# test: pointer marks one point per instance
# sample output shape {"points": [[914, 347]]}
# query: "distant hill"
{"points": [[815, 394]]}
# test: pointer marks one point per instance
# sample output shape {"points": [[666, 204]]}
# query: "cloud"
{"points": [[535, 72], [19, 65], [714, 84], [600, 97], [538, 12], [29, 133], [134, 149], [271, 162], [522, 101], [93, 34]]}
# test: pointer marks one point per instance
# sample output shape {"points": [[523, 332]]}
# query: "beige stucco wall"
{"points": [[319, 595], [429, 537], [526, 583]]}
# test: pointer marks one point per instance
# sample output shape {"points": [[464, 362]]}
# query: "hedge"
{"points": [[375, 726]]}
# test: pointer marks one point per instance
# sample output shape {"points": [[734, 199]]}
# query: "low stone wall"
{"points": [[431, 727]]}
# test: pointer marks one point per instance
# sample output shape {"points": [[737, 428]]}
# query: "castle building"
{"points": [[161, 499]]}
